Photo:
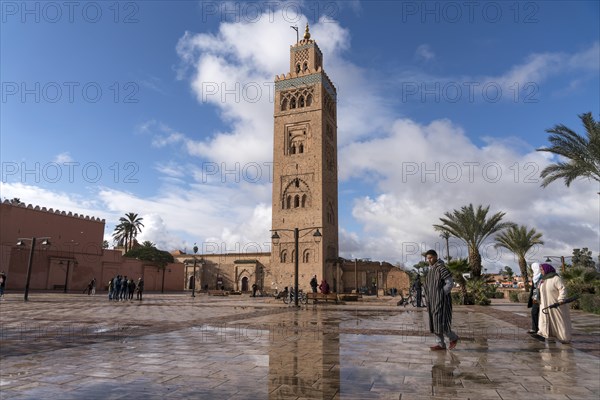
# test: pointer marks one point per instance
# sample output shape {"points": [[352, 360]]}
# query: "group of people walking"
{"points": [[120, 288], [548, 303]]}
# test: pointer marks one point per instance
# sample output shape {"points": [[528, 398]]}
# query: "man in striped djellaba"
{"points": [[438, 285]]}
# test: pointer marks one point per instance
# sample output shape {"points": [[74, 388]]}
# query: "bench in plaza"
{"points": [[316, 297], [218, 293], [349, 297]]}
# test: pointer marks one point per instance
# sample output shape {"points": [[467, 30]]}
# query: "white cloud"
{"points": [[424, 53], [63, 158], [443, 170]]}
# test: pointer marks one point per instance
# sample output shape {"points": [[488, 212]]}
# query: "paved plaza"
{"points": [[173, 346]]}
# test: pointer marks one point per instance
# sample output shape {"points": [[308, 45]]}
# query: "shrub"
{"points": [[457, 298], [523, 297], [499, 295], [590, 303], [513, 296]]}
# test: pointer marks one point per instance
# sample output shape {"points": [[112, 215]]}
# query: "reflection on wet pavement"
{"points": [[175, 348]]}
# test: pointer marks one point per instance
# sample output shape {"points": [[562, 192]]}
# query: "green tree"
{"points": [[422, 268], [127, 230], [160, 258], [473, 226], [519, 240], [508, 273], [105, 244], [583, 258], [582, 153], [147, 243]]}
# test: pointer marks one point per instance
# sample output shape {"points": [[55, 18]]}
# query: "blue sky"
{"points": [[165, 109]]}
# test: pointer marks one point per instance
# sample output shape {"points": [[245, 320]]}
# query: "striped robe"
{"points": [[439, 305]]}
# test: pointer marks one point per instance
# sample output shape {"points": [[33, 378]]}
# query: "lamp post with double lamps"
{"points": [[21, 243], [194, 276], [275, 237], [562, 261]]}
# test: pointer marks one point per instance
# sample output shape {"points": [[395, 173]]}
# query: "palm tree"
{"points": [[458, 267], [127, 230], [519, 240], [147, 243], [473, 227], [120, 235], [583, 154], [446, 236]]}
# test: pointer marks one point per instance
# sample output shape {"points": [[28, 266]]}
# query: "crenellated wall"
{"points": [[74, 256]]}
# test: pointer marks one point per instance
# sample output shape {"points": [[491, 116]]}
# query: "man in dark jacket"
{"points": [[416, 286], [314, 284]]}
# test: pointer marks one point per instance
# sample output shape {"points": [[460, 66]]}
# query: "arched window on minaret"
{"points": [[305, 66], [293, 149], [298, 68], [306, 256], [301, 102], [301, 148], [296, 201], [303, 200], [293, 103], [309, 100], [297, 182], [293, 256], [284, 105], [288, 202], [283, 256]]}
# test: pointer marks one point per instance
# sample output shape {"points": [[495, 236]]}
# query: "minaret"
{"points": [[305, 186]]}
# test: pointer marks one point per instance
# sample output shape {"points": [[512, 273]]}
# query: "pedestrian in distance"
{"points": [[254, 289], [534, 298], [324, 287], [438, 285], [314, 284], [2, 284], [140, 288], [417, 287]]}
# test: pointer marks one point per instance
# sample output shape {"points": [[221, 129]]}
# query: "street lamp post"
{"points": [[562, 261], [194, 276], [45, 242], [356, 275], [67, 277], [275, 237]]}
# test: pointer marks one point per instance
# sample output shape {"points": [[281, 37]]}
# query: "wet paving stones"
{"points": [[72, 346]]}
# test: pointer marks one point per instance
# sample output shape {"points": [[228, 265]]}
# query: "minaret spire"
{"points": [[306, 33]]}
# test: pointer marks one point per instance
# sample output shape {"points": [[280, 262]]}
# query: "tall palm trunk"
{"points": [[475, 261], [523, 267]]}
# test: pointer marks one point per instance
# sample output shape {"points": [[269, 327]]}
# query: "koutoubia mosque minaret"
{"points": [[305, 185]]}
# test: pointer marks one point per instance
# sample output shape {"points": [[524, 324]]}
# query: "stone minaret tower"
{"points": [[305, 185]]}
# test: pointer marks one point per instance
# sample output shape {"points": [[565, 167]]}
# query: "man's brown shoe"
{"points": [[437, 348], [453, 344]]}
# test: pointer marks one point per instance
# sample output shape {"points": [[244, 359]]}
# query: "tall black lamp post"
{"points": [[275, 237], [20, 243], [194, 276]]}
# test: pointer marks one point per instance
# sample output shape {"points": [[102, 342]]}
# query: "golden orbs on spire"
{"points": [[306, 33]]}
